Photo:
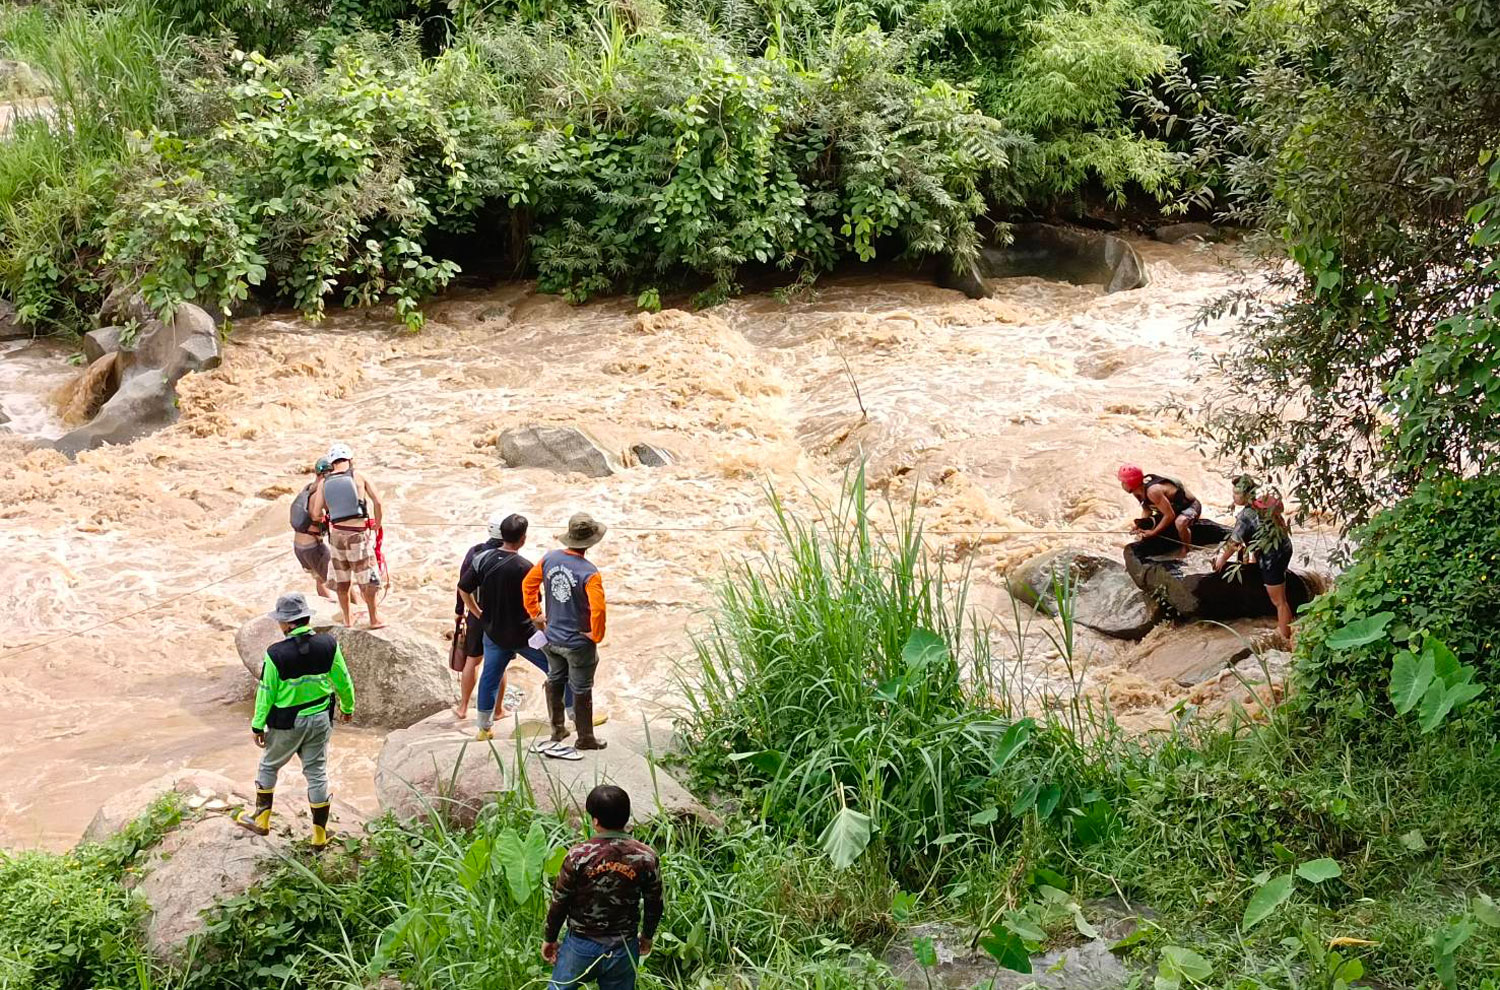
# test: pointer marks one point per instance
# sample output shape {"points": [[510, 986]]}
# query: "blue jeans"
{"points": [[496, 659], [582, 960]]}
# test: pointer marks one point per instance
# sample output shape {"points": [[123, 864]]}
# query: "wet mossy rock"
{"points": [[11, 327], [437, 767], [1105, 599], [399, 676], [1083, 257], [1176, 233], [557, 448]]}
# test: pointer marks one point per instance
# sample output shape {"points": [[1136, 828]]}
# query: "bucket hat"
{"points": [[583, 531]]}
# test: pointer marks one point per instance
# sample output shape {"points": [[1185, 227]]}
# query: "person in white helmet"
{"points": [[353, 509]]}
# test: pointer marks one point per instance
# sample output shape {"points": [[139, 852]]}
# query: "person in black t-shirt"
{"points": [[468, 631], [490, 588]]}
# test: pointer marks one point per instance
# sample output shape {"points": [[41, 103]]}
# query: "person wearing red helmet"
{"points": [[1170, 508]]}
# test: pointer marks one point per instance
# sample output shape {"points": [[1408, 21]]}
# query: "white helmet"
{"points": [[497, 521], [339, 452]]}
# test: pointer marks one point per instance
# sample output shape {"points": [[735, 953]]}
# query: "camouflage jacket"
{"points": [[602, 887]]}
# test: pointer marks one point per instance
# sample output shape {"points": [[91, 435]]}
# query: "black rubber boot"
{"points": [[259, 821], [320, 826], [555, 711], [583, 705]]}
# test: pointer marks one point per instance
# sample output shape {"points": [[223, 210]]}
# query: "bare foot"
{"points": [[377, 625], [461, 713]]}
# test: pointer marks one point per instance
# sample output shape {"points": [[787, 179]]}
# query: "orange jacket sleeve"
{"points": [[531, 591], [595, 588]]}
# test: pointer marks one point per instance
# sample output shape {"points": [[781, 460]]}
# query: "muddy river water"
{"points": [[1008, 415]]}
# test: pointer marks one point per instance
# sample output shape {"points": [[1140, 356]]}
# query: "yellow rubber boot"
{"points": [[258, 821], [320, 826]]}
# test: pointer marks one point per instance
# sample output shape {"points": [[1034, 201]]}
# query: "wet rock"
{"points": [[186, 343], [437, 766], [1191, 654], [1105, 599], [199, 864], [20, 81], [1175, 233], [143, 403], [648, 455], [399, 677], [97, 343], [10, 323], [1078, 256], [968, 279], [1190, 588], [122, 306], [1088, 966], [556, 448], [126, 806]]}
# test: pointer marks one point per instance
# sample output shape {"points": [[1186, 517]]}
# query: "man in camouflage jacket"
{"points": [[609, 893]]}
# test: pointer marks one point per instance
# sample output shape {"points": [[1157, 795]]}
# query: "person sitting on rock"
{"points": [[574, 628], [609, 893], [299, 679], [1170, 508], [352, 506], [307, 534], [1261, 528]]}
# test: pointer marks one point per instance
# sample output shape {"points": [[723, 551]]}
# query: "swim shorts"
{"points": [[1192, 512], [314, 559], [1274, 563], [473, 636], [353, 556]]}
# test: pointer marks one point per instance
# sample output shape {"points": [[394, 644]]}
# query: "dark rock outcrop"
{"points": [[1190, 588], [97, 343], [1175, 233], [1079, 256], [650, 455], [1105, 599], [10, 323]]}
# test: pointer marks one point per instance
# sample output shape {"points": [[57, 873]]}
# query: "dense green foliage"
{"points": [[1424, 566], [337, 150], [1367, 158]]}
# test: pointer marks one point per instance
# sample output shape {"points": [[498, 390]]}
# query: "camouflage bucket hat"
{"points": [[583, 531]]}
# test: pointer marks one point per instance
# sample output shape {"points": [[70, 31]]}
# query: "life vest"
{"points": [[341, 495], [1181, 501], [302, 520]]}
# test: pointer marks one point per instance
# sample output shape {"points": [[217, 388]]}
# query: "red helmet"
{"points": [[1130, 476]]}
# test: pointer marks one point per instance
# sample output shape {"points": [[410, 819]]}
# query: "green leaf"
{"points": [[1413, 841], [1007, 949], [1410, 678], [986, 816], [923, 648], [925, 952], [1046, 801], [1445, 665], [1025, 927], [903, 905], [1272, 894], [765, 760], [1025, 801], [846, 837], [1486, 910], [475, 865], [1178, 963], [1010, 744], [1360, 632], [1319, 870]]}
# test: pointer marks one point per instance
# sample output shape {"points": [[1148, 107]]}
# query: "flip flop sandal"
{"points": [[560, 751], [543, 747]]}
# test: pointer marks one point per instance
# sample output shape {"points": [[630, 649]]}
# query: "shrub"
{"points": [[1424, 565], [64, 924]]}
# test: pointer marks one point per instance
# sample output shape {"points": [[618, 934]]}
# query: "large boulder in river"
{"points": [[1192, 653], [1083, 257], [436, 766], [1190, 589], [1105, 599], [1176, 233], [556, 448], [144, 402], [399, 677], [105, 340]]}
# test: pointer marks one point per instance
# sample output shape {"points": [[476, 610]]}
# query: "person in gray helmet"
{"points": [[352, 506]]}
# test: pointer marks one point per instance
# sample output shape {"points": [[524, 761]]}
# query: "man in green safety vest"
{"points": [[299, 678]]}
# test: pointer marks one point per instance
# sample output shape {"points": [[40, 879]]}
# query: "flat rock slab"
{"points": [[126, 806], [400, 677], [557, 448], [1105, 599], [1088, 966], [1191, 654], [198, 865], [437, 767]]}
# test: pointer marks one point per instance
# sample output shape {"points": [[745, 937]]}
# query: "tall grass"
{"points": [[106, 74]]}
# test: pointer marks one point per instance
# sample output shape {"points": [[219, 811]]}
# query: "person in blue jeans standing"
{"points": [[609, 893], [490, 586]]}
